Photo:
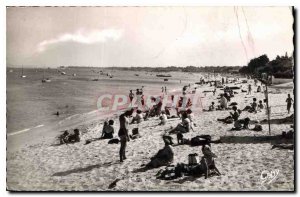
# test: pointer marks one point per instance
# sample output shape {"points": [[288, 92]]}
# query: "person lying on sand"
{"points": [[108, 130], [184, 126]]}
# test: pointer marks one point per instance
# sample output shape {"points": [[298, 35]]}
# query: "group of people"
{"points": [[139, 97]]}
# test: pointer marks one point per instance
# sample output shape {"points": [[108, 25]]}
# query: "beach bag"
{"points": [[193, 159], [135, 131], [257, 127]]}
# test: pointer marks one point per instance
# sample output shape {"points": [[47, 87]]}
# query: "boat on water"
{"points": [[166, 79], [63, 73], [45, 80], [161, 75], [22, 75]]}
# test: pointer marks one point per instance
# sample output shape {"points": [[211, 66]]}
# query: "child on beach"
{"points": [[211, 107], [108, 130], [289, 101]]}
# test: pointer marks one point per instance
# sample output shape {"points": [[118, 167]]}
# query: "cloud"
{"points": [[83, 37]]}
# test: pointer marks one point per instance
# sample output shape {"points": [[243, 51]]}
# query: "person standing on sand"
{"points": [[289, 101], [162, 89], [166, 89], [249, 89], [123, 134], [131, 95]]}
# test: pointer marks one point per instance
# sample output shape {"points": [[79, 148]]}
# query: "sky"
{"points": [[146, 36]]}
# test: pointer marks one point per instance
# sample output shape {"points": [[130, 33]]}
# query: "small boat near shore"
{"points": [[161, 75]]}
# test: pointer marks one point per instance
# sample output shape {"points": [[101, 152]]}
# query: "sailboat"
{"points": [[45, 80], [23, 76]]}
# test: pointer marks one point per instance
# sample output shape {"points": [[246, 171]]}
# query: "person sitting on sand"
{"points": [[63, 138], [157, 107], [191, 117], [72, 138], [241, 124], [233, 116], [163, 118], [212, 107], [207, 162], [108, 130], [260, 105], [258, 88], [184, 126], [223, 102], [163, 157], [138, 118], [227, 96], [253, 106]]}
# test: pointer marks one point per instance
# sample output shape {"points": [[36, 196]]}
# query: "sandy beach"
{"points": [[43, 165]]}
